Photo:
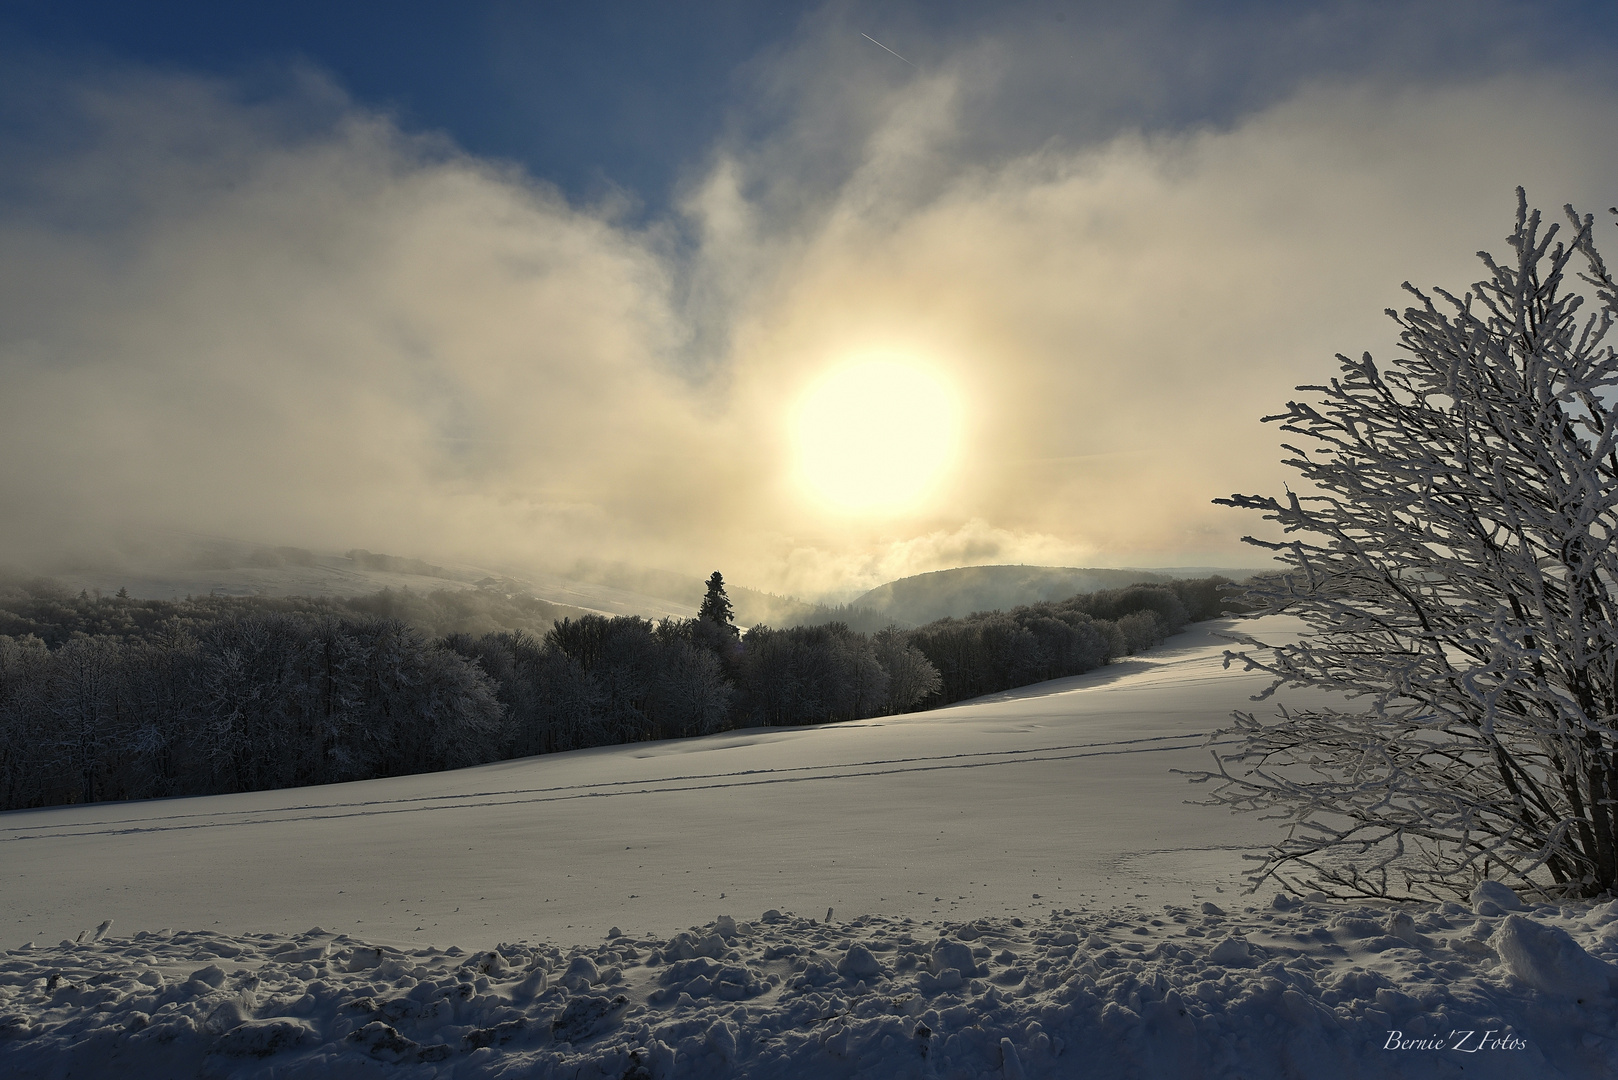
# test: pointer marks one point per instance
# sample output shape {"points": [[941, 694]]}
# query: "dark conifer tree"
{"points": [[716, 606]]}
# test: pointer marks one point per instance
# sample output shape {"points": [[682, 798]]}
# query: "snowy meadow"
{"points": [[1018, 886]]}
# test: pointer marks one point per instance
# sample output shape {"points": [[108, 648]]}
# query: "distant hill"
{"points": [[239, 568], [915, 601]]}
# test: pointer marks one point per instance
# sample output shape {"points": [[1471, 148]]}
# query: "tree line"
{"points": [[45, 609], [111, 698]]}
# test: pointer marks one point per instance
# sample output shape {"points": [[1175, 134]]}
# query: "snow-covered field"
{"points": [[1013, 887]]}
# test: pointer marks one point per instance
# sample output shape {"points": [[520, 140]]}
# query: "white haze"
{"points": [[271, 314]]}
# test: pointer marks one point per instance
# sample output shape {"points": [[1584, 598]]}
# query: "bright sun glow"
{"points": [[876, 435]]}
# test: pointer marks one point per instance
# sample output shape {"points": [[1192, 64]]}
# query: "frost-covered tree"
{"points": [[809, 675], [912, 678], [691, 695], [247, 691], [28, 737], [88, 709], [1452, 553]]}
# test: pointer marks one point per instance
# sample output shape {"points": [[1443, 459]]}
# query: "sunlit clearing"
{"points": [[875, 436]]}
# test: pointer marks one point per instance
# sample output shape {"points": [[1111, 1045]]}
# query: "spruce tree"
{"points": [[716, 606]]}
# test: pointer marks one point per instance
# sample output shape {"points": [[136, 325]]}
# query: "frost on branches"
{"points": [[1454, 560]]}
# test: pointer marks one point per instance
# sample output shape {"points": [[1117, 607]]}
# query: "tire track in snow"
{"points": [[607, 789]]}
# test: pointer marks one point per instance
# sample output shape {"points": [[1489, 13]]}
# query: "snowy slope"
{"points": [[1018, 888], [983, 805]]}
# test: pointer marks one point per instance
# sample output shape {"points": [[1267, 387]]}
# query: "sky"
{"points": [[526, 285]]}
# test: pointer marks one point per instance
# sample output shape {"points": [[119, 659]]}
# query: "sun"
{"points": [[876, 435]]}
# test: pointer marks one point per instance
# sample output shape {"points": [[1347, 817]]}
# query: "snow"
{"points": [[1547, 958], [1017, 887], [1492, 897], [1301, 989]]}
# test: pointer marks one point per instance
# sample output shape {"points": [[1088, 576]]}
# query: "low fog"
{"points": [[261, 310]]}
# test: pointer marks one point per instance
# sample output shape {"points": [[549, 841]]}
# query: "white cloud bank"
{"points": [[285, 320]]}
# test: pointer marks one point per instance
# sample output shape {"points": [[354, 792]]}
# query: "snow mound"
{"points": [[1494, 898], [1548, 959], [1306, 988]]}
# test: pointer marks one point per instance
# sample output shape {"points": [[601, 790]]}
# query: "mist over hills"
{"points": [[237, 568], [915, 601], [440, 599], [751, 606]]}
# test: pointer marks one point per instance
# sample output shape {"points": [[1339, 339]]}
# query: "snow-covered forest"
{"points": [[107, 698]]}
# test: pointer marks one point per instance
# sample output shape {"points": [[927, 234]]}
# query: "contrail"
{"points": [[881, 46]]}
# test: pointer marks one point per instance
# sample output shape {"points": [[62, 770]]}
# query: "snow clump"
{"points": [[1304, 988]]}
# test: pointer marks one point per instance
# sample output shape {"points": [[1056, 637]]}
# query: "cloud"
{"points": [[1120, 315], [276, 316], [328, 334]]}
